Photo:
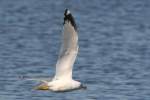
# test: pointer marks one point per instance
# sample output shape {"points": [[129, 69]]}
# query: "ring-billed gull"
{"points": [[62, 80]]}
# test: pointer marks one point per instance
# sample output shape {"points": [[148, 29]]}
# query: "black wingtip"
{"points": [[68, 17], [67, 12]]}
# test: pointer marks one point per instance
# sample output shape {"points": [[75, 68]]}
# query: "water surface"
{"points": [[114, 55]]}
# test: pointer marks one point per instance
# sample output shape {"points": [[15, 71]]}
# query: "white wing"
{"points": [[68, 52]]}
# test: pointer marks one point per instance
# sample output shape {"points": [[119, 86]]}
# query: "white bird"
{"points": [[62, 80]]}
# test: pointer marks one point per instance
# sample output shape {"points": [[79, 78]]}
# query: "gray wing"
{"points": [[68, 51]]}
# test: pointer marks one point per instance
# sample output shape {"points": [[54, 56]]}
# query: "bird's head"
{"points": [[43, 86]]}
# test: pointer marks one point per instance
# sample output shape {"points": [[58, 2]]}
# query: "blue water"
{"points": [[114, 55]]}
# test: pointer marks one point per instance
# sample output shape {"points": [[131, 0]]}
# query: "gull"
{"points": [[62, 81]]}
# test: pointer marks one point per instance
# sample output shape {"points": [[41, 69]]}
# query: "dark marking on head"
{"points": [[69, 17]]}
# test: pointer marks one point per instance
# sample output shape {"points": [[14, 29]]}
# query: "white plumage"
{"points": [[62, 80], [68, 52]]}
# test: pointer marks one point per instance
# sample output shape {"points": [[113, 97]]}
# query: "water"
{"points": [[114, 38]]}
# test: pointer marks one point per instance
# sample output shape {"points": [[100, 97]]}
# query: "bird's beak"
{"points": [[42, 86]]}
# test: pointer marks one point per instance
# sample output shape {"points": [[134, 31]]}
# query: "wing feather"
{"points": [[68, 51]]}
